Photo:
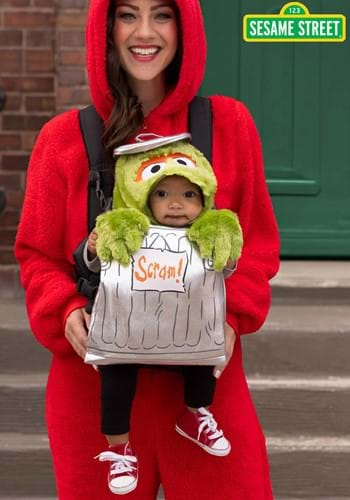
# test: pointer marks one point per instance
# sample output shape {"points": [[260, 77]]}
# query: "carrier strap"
{"points": [[101, 166]]}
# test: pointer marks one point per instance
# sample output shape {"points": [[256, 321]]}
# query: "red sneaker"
{"points": [[201, 428], [122, 477]]}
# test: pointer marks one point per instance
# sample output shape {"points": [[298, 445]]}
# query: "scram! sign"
{"points": [[294, 23], [159, 270]]}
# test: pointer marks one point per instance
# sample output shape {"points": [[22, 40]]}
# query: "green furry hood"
{"points": [[138, 174]]}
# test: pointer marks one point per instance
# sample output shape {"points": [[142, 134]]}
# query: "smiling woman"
{"points": [[145, 33], [146, 62]]}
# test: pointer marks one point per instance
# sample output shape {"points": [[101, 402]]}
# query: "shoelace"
{"points": [[208, 424], [123, 463]]}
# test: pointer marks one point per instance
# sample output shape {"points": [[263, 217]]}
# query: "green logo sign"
{"points": [[294, 23]]}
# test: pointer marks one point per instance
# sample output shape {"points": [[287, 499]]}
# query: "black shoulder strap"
{"points": [[101, 170], [200, 125]]}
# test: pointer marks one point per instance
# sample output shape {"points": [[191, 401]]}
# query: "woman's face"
{"points": [[145, 35]]}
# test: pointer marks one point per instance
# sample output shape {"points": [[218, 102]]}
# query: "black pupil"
{"points": [[155, 169], [182, 162]]}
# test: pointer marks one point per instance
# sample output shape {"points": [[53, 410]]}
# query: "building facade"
{"points": [[298, 95], [42, 73]]}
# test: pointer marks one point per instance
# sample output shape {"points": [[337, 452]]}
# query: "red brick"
{"points": [[10, 61], [28, 140], [40, 38], [73, 4], [13, 102], [73, 96], [35, 84], [15, 3], [43, 3], [72, 57], [10, 181], [71, 20], [14, 199], [9, 141], [7, 237], [10, 83], [70, 39], [39, 61], [6, 255], [24, 19], [10, 218], [10, 38], [71, 77], [38, 84], [40, 103], [15, 162], [24, 122]]}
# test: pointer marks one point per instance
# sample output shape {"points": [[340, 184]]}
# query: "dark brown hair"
{"points": [[126, 117]]}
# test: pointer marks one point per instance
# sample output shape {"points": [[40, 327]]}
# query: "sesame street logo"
{"points": [[294, 23]]}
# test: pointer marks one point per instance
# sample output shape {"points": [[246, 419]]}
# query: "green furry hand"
{"points": [[218, 235], [120, 234]]}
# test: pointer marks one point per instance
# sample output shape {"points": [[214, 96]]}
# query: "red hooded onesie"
{"points": [[54, 222]]}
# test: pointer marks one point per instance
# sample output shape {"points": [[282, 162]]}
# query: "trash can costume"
{"points": [[56, 206], [159, 301]]}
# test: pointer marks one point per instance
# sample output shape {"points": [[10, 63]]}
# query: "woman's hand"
{"points": [[76, 328], [230, 338]]}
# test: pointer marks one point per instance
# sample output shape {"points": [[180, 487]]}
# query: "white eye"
{"points": [[152, 169], [183, 161]]}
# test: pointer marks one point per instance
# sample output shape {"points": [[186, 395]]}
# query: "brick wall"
{"points": [[72, 89], [42, 72]]}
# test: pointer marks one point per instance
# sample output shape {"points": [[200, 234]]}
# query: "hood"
{"points": [[193, 59], [138, 174]]}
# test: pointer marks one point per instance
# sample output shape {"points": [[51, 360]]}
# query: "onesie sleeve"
{"points": [[248, 289], [46, 274], [93, 265]]}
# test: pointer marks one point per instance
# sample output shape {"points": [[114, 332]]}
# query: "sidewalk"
{"points": [[313, 273]]}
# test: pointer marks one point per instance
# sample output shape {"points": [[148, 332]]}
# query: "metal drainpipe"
{"points": [[2, 192]]}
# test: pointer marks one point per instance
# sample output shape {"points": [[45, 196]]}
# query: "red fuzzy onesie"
{"points": [[54, 222]]}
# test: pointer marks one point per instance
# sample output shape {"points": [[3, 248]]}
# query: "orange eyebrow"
{"points": [[159, 159]]}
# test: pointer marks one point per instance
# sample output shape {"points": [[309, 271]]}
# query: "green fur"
{"points": [[131, 193], [218, 235], [120, 234]]}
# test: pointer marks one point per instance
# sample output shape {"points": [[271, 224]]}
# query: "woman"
{"points": [[155, 64]]}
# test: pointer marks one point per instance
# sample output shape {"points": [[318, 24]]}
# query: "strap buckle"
{"points": [[85, 288], [96, 182]]}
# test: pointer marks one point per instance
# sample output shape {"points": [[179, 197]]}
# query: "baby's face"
{"points": [[175, 201]]}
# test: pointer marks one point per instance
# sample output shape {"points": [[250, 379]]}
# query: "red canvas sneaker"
{"points": [[201, 428], [122, 476]]}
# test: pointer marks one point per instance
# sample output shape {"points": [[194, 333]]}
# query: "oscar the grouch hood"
{"points": [[193, 57], [138, 174]]}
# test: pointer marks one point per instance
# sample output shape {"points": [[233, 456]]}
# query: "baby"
{"points": [[173, 201]]}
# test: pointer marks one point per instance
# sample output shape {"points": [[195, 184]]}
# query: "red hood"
{"points": [[193, 61]]}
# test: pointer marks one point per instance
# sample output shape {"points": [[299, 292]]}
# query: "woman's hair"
{"points": [[126, 117]]}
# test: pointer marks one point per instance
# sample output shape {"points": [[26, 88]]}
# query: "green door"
{"points": [[299, 95]]}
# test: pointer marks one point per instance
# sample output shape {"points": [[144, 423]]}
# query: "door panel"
{"points": [[299, 96]]}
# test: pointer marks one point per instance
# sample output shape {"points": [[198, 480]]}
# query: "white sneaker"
{"points": [[201, 428], [123, 470]]}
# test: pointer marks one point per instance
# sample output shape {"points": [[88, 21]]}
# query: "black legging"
{"points": [[118, 386]]}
